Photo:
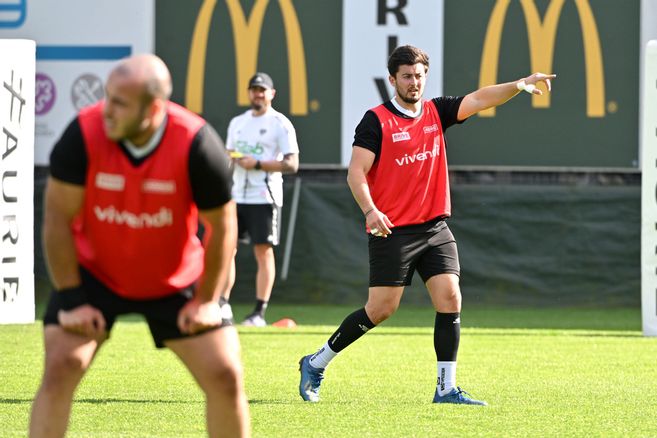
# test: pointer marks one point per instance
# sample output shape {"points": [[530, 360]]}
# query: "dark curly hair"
{"points": [[407, 55]]}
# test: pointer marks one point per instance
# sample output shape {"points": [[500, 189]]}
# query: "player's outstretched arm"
{"points": [[495, 95]]}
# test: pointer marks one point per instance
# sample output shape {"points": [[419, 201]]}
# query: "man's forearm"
{"points": [[360, 190], [61, 256], [495, 95], [289, 164]]}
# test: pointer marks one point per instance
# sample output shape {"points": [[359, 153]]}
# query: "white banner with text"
{"points": [[364, 64], [17, 73]]}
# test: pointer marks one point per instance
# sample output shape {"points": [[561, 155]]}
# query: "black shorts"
{"points": [[259, 223], [161, 313], [430, 251]]}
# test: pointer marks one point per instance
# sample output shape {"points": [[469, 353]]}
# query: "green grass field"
{"points": [[546, 372]]}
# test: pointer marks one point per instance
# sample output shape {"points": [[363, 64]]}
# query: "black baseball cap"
{"points": [[261, 80]]}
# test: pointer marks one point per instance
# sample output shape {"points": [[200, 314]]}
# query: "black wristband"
{"points": [[71, 297], [258, 165]]}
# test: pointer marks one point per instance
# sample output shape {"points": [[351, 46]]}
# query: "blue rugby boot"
{"points": [[311, 378], [458, 396]]}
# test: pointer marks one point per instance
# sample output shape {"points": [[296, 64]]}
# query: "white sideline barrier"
{"points": [[649, 193], [17, 73]]}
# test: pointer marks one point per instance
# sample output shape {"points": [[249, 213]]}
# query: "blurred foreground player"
{"points": [[130, 178]]}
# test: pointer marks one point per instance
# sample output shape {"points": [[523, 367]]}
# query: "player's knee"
{"points": [[226, 380], [63, 370], [454, 296], [381, 311], [451, 300]]}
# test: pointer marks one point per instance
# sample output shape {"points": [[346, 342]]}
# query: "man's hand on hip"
{"points": [[83, 320], [197, 316]]}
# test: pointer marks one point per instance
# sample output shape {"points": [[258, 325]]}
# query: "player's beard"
{"points": [[405, 96], [256, 106], [127, 129]]}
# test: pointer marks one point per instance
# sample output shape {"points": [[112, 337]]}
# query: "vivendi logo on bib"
{"points": [[418, 157], [45, 94]]}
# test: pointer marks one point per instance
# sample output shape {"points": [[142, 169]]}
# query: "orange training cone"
{"points": [[285, 323]]}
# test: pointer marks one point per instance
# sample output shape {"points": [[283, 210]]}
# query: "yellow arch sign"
{"points": [[246, 38], [541, 49]]}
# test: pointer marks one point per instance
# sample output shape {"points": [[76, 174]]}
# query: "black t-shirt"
{"points": [[210, 174], [368, 132]]}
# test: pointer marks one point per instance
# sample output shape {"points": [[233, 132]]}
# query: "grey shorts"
{"points": [[394, 259]]}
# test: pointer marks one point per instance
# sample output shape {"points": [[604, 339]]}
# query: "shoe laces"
{"points": [[461, 393], [316, 375]]}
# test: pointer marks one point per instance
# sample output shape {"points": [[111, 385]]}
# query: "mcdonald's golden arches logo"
{"points": [[246, 39], [541, 35]]}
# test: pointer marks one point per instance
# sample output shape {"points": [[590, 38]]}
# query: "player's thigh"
{"points": [[263, 223], [440, 269], [67, 353], [393, 259], [211, 355], [441, 255], [162, 316]]}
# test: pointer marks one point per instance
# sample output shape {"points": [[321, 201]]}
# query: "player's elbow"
{"points": [[291, 163]]}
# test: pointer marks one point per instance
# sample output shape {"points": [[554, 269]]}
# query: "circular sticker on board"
{"points": [[44, 95], [86, 90]]}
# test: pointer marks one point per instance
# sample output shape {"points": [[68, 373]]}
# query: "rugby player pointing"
{"points": [[398, 176]]}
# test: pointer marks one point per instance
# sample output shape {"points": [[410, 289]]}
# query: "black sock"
{"points": [[260, 308], [222, 301], [353, 327], [446, 336]]}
